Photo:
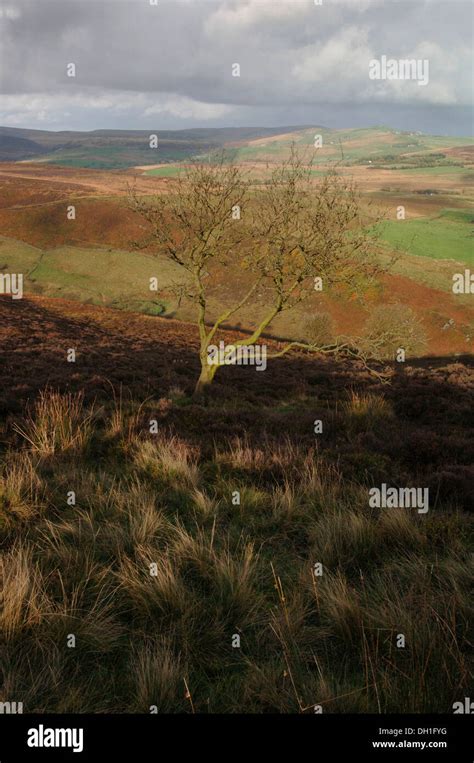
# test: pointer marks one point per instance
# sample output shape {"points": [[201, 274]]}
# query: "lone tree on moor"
{"points": [[282, 238]]}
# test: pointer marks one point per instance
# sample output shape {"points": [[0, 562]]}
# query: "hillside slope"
{"points": [[164, 577]]}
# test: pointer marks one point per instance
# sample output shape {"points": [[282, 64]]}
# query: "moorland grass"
{"points": [[158, 571]]}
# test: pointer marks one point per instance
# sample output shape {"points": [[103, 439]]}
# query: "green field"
{"points": [[115, 157], [115, 278], [165, 172], [449, 169], [446, 237]]}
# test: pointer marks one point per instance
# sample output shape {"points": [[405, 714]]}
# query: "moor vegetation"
{"points": [[157, 567]]}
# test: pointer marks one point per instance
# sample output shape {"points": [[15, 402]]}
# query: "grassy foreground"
{"points": [[184, 600]]}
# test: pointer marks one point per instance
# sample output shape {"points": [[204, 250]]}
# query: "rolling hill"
{"points": [[120, 149]]}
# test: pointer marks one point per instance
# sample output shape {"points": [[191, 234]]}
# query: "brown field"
{"points": [[462, 153], [287, 136], [409, 181], [13, 177], [103, 221], [416, 205], [104, 182]]}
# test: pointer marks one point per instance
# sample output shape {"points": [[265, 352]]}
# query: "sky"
{"points": [[170, 64]]}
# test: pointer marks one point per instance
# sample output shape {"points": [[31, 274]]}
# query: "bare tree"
{"points": [[284, 236]]}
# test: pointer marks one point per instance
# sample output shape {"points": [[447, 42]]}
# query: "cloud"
{"points": [[230, 17], [174, 60], [322, 63], [54, 108]]}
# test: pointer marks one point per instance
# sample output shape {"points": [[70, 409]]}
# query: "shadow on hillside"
{"points": [[147, 357], [421, 433]]}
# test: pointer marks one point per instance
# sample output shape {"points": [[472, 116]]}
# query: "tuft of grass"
{"points": [[367, 406], [21, 494], [59, 424], [22, 597], [366, 412], [170, 458], [157, 677]]}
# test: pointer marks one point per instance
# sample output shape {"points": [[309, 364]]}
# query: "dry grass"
{"points": [[22, 597], [20, 490], [158, 677], [169, 458], [156, 572], [59, 424], [367, 406]]}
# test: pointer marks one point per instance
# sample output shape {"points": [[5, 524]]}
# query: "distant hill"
{"points": [[381, 147], [13, 148], [119, 149]]}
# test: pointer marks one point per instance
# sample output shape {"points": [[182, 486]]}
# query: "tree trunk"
{"points": [[205, 379]]}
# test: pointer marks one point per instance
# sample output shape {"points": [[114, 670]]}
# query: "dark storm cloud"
{"points": [[137, 62]]}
